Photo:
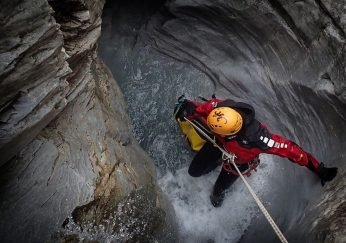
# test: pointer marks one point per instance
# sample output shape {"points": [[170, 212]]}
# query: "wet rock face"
{"points": [[133, 219], [33, 73], [329, 225], [64, 133], [322, 32], [313, 32]]}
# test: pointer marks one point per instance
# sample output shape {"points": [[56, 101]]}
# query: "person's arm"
{"points": [[285, 148], [205, 108], [190, 109]]}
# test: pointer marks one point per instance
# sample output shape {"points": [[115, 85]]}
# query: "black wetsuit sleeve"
{"points": [[254, 135]]}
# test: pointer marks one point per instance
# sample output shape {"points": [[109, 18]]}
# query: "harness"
{"points": [[245, 169]]}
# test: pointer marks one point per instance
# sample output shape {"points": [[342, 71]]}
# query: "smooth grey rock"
{"points": [[33, 73], [76, 160], [329, 225]]}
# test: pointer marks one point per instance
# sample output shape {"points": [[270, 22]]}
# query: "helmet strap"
{"points": [[229, 137]]}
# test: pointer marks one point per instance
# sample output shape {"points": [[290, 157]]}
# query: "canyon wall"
{"points": [[67, 153]]}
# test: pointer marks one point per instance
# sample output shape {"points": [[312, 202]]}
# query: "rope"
{"points": [[232, 157]]}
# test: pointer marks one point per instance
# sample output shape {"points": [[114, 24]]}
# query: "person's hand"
{"points": [[326, 174], [186, 109]]}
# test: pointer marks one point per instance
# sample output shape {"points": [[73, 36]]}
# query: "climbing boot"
{"points": [[326, 174], [217, 199]]}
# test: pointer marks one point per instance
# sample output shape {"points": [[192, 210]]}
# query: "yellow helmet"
{"points": [[224, 121]]}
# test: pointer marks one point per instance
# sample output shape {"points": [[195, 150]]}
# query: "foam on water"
{"points": [[198, 220]]}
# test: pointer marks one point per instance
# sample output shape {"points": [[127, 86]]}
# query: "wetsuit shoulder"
{"points": [[253, 135]]}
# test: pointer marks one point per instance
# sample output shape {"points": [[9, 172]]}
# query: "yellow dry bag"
{"points": [[196, 142]]}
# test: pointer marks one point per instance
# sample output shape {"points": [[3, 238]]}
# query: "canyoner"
{"points": [[228, 131], [233, 127]]}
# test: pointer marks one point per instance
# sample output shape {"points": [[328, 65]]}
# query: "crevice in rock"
{"points": [[290, 22], [332, 19]]}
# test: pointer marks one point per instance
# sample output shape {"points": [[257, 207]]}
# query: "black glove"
{"points": [[326, 174], [186, 109]]}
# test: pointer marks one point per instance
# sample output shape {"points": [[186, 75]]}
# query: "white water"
{"points": [[198, 220]]}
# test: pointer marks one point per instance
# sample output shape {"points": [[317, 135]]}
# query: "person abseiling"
{"points": [[234, 127]]}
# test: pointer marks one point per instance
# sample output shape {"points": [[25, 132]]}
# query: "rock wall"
{"points": [[322, 35], [33, 73], [67, 154], [301, 42], [328, 224]]}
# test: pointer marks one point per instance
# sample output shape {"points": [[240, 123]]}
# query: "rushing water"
{"points": [[207, 49]]}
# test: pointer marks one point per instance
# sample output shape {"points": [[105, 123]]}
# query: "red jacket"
{"points": [[254, 138]]}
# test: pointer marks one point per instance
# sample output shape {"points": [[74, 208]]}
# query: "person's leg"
{"points": [[205, 160], [224, 181]]}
